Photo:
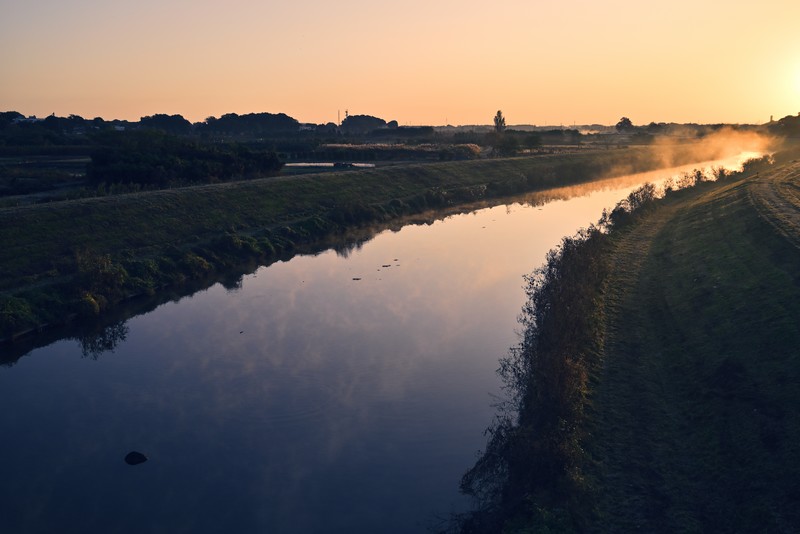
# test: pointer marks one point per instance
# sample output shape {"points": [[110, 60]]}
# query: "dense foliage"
{"points": [[258, 124], [531, 462], [158, 159], [361, 124], [175, 124]]}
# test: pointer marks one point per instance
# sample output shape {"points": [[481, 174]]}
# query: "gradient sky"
{"points": [[415, 61]]}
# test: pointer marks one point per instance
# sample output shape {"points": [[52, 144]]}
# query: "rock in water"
{"points": [[135, 458]]}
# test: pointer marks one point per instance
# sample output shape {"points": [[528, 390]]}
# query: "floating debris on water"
{"points": [[356, 278], [135, 458]]}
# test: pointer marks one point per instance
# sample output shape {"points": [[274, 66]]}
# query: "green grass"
{"points": [[695, 415]]}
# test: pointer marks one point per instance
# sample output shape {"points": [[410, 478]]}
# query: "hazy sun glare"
{"points": [[795, 94]]}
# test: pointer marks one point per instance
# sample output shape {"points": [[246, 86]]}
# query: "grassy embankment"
{"points": [[81, 257], [655, 386], [696, 413]]}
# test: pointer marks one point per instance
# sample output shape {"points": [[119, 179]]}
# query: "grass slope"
{"points": [[83, 256], [694, 413]]}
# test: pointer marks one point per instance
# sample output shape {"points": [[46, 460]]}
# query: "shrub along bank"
{"points": [[80, 257]]}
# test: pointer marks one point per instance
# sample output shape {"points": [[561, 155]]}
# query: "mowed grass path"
{"points": [[695, 410]]}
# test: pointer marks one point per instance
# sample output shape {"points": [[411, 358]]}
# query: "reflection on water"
{"points": [[330, 164], [100, 340], [340, 392]]}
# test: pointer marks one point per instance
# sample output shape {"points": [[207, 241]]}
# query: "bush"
{"points": [[88, 306], [623, 212], [15, 316], [100, 277], [196, 265], [538, 452]]}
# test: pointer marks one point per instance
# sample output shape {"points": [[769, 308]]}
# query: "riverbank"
{"points": [[694, 419], [653, 388], [80, 258]]}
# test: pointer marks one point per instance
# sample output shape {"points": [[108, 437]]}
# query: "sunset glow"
{"points": [[416, 62]]}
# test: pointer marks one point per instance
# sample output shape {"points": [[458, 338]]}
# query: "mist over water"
{"points": [[326, 393], [721, 145]]}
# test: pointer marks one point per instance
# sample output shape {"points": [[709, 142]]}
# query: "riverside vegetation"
{"points": [[79, 258], [653, 387]]}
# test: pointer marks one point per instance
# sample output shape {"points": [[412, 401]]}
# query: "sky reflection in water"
{"points": [[304, 401]]}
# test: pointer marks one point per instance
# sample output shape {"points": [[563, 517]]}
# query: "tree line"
{"points": [[155, 158]]}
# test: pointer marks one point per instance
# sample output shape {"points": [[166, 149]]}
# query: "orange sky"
{"points": [[418, 62]]}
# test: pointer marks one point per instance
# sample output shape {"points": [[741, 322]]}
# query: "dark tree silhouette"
{"points": [[175, 124], [8, 117], [261, 124], [361, 124], [155, 158], [624, 125], [499, 122]]}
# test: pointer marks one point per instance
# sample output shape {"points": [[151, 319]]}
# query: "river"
{"points": [[336, 392]]}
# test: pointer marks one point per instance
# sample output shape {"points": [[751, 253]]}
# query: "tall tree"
{"points": [[499, 122], [624, 125]]}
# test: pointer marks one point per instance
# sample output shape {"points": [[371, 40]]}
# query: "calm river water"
{"points": [[327, 393]]}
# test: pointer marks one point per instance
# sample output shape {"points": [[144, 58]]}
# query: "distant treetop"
{"points": [[168, 123], [624, 125], [361, 124], [252, 123]]}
